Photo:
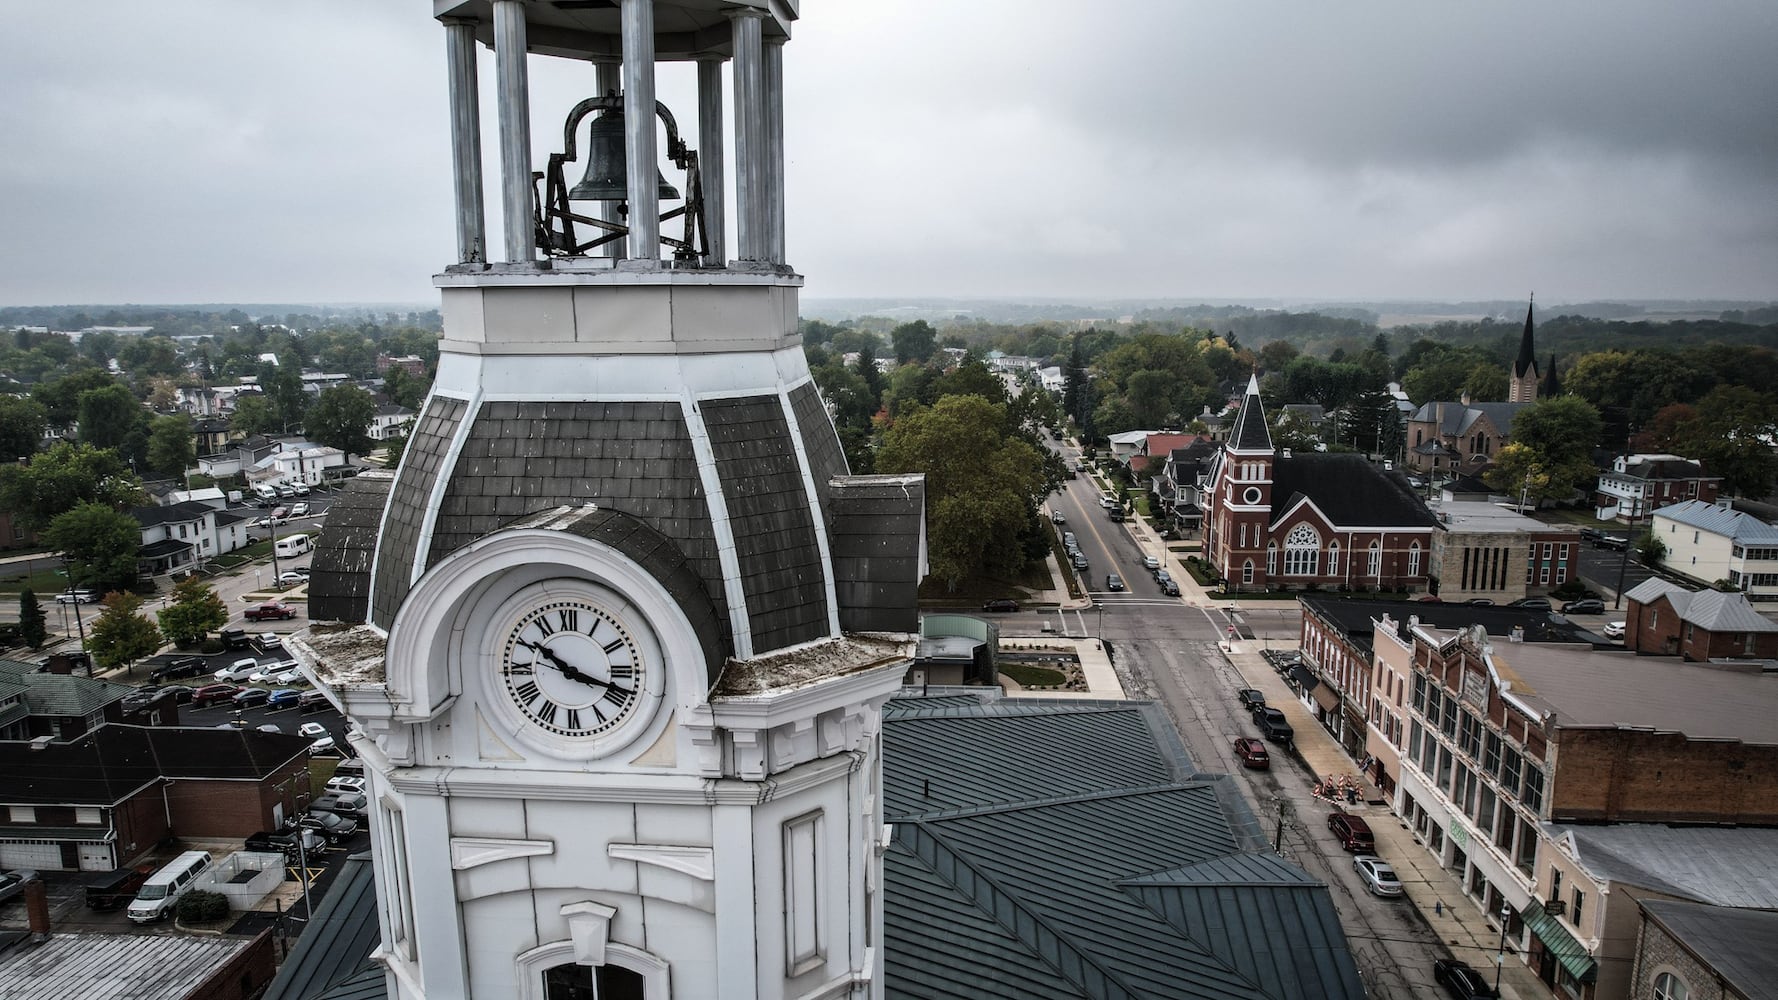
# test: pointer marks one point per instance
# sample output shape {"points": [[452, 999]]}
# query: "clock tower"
{"points": [[614, 639]]}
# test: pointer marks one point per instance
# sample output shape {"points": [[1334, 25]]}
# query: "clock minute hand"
{"points": [[569, 670]]}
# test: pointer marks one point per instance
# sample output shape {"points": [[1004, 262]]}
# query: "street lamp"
{"points": [[1506, 914], [1284, 811]]}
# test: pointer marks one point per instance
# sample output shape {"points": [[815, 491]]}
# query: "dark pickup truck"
{"points": [[114, 890]]}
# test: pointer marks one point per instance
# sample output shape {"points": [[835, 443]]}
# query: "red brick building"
{"points": [[1639, 485], [1274, 520], [1698, 626]]}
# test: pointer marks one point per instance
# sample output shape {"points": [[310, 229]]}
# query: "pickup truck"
{"points": [[269, 611]]}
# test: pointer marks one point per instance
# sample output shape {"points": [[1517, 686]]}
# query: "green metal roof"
{"points": [[1064, 849], [62, 694]]}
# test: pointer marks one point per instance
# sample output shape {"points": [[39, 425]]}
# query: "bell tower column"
{"points": [[640, 149], [515, 130], [710, 165], [749, 135]]}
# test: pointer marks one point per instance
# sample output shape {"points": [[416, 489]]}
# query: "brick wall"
{"points": [[1623, 776], [1699, 645], [1652, 628], [141, 823], [242, 977], [1658, 952]]}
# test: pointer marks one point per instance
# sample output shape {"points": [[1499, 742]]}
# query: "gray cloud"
{"points": [[225, 151]]}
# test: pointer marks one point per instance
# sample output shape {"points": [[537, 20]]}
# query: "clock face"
{"points": [[571, 667]]}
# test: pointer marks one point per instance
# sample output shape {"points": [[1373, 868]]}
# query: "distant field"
{"points": [[1387, 320]]}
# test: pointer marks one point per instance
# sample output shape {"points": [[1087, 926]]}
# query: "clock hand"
{"points": [[568, 670]]}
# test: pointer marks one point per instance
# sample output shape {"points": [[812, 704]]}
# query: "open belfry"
{"points": [[615, 639]]}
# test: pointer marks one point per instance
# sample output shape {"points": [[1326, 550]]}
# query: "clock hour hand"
{"points": [[567, 669]]}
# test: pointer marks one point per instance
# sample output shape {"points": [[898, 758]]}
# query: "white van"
{"points": [[157, 897], [293, 545], [264, 492]]}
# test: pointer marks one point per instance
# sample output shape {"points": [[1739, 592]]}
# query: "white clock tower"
{"points": [[614, 639]]}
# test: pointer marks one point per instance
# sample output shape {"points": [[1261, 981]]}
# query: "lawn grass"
{"points": [[1033, 579], [1030, 676], [47, 583]]}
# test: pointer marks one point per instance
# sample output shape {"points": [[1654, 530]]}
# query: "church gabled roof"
{"points": [[1527, 359], [1251, 433]]}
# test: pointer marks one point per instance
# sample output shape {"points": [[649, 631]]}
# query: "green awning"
{"points": [[1558, 942]]}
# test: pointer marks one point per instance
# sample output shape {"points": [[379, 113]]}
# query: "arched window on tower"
{"points": [[586, 982], [1302, 551]]}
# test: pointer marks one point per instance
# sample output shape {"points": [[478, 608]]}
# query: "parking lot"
{"points": [[287, 719]]}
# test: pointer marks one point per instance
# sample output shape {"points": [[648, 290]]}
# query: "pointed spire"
{"points": [[1251, 433], [1552, 386], [1527, 360]]}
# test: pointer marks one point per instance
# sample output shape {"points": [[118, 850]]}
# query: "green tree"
{"points": [[60, 398], [100, 545], [121, 634], [914, 341], [341, 419], [1487, 382], [867, 369], [1275, 355], [254, 414], [393, 449], [1731, 431], [63, 477], [1074, 385], [972, 378], [108, 416], [283, 386], [171, 447], [194, 611], [982, 484], [32, 628], [1559, 436], [1651, 551], [22, 423], [1518, 471], [404, 389]]}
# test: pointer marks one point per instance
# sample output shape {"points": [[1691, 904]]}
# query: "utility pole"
{"points": [[1500, 956]]}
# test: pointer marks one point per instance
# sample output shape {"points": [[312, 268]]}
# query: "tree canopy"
{"points": [[63, 477], [100, 544], [121, 634], [341, 419], [171, 447], [194, 611]]}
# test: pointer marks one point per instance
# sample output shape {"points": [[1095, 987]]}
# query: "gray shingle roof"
{"points": [[1652, 589], [339, 589], [62, 694], [190, 510], [1720, 520], [1348, 489], [1062, 849], [1723, 866], [1735, 943]]}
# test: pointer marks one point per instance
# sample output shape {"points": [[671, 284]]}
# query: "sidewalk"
{"points": [[1434, 892], [1095, 668]]}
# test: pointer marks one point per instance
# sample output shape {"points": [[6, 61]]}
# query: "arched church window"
{"points": [[587, 982], [1247, 571], [1272, 557], [1302, 551], [1333, 558], [1376, 558], [1414, 559]]}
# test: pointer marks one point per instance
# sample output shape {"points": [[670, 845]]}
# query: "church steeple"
{"points": [[1250, 432], [1552, 386], [1523, 388]]}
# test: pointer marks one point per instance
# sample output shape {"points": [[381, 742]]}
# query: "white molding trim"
{"points": [[589, 927], [698, 862], [529, 967], [473, 852], [814, 499]]}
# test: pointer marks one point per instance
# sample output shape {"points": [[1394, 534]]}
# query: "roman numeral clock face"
{"points": [[571, 668]]}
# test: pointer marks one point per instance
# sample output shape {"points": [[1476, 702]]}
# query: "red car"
{"points": [[210, 694], [270, 611], [1354, 833], [1252, 753]]}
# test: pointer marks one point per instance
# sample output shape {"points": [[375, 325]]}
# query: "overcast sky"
{"points": [[220, 150]]}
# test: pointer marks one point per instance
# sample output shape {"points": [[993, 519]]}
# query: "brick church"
{"points": [[1274, 520]]}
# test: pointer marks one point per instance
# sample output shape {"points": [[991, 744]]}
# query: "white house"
{"points": [[181, 536], [390, 421], [303, 463], [1712, 541]]}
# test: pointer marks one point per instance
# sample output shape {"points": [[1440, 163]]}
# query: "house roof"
{"points": [[108, 763], [991, 894], [224, 518], [1356, 619], [1722, 866], [332, 957], [1460, 418], [190, 510], [1251, 433], [164, 547], [115, 966], [1652, 589], [1159, 445], [1714, 610], [1663, 467], [1348, 489], [1735, 943], [1720, 520], [61, 694]]}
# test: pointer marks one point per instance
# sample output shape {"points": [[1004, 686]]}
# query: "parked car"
{"points": [[1162, 576], [240, 670], [346, 783], [140, 698], [269, 611], [1591, 534], [1150, 563], [302, 489], [312, 701], [13, 883], [268, 642], [1109, 502], [270, 672], [1613, 630], [1001, 604], [180, 693], [1113, 582], [1116, 515], [1251, 698], [289, 673], [290, 842], [351, 805], [313, 730], [1616, 543], [1353, 833], [1252, 753], [1461, 981], [1057, 517], [324, 746], [234, 638], [1376, 875], [115, 889], [184, 666], [282, 698], [299, 509], [1533, 603], [330, 825], [249, 697], [1584, 606], [292, 579], [211, 694], [1169, 588], [1079, 560], [78, 596]]}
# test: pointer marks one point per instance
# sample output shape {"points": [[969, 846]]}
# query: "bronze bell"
{"points": [[607, 179]]}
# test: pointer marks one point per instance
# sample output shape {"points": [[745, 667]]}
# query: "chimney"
{"points": [[37, 909]]}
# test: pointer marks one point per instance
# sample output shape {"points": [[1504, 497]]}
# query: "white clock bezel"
{"points": [[516, 612]]}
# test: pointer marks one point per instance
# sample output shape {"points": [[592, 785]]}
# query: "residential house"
{"points": [[1052, 379], [1274, 520], [1181, 482], [410, 363], [390, 421], [1511, 746], [1639, 485], [212, 434], [1697, 950], [105, 799], [243, 455], [1155, 448], [13, 534], [1712, 542], [1355, 670], [1699, 626], [299, 462], [1483, 551], [36, 703], [180, 537]]}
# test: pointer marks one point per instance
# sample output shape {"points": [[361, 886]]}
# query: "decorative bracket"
{"points": [[589, 927]]}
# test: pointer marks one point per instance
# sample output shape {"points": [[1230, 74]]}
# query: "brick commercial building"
{"points": [[1698, 626], [1703, 952], [1485, 551], [1507, 742]]}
